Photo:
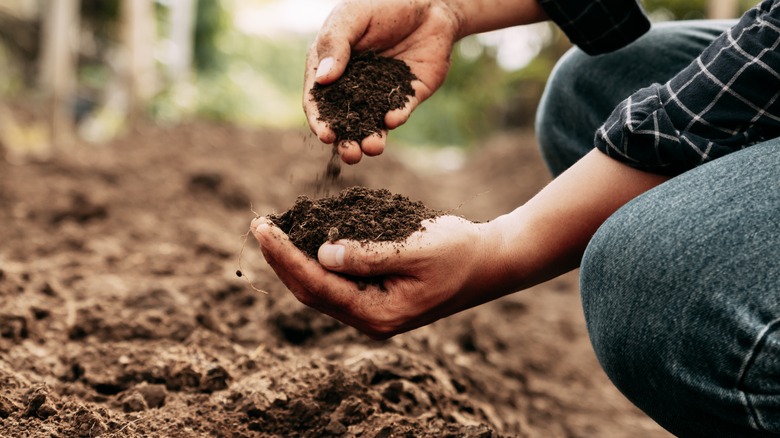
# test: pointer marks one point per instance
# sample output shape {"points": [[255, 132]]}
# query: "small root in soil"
{"points": [[240, 272]]}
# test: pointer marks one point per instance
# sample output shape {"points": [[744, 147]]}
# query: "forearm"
{"points": [[475, 16], [547, 236]]}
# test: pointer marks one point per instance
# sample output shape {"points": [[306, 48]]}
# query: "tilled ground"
{"points": [[121, 314]]}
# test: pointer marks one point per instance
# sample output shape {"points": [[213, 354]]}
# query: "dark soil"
{"points": [[121, 314], [357, 213], [355, 105]]}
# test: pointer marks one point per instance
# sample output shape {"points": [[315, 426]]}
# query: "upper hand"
{"points": [[419, 32], [450, 266]]}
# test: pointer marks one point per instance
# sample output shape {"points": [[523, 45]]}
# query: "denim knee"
{"points": [[564, 124], [681, 293], [660, 356]]}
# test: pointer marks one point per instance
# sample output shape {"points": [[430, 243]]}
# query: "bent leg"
{"points": [[583, 90], [681, 292]]}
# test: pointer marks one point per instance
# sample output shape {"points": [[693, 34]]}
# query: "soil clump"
{"points": [[355, 105], [356, 213]]}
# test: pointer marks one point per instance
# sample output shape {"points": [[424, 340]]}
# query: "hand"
{"points": [[454, 264], [449, 266], [419, 32]]}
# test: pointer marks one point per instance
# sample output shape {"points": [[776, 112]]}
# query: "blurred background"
{"points": [[87, 70]]}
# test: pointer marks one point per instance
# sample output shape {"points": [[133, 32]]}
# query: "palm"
{"points": [[422, 35]]}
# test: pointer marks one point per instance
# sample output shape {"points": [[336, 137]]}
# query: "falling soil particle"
{"points": [[354, 106]]}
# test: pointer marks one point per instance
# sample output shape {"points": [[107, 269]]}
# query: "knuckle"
{"points": [[365, 260], [380, 332], [378, 336], [385, 324]]}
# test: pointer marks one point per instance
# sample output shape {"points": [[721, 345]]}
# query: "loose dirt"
{"points": [[121, 314], [355, 105], [357, 213]]}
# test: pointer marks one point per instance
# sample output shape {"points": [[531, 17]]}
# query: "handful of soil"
{"points": [[356, 213], [355, 105]]}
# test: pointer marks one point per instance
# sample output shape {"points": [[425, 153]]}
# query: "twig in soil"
{"points": [[394, 90], [347, 116]]}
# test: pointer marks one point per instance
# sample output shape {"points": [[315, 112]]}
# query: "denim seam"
{"points": [[754, 416]]}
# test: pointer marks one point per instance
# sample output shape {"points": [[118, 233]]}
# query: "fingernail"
{"points": [[324, 68], [331, 256], [259, 228]]}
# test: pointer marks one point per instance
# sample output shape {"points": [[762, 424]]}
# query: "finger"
{"points": [[374, 144], [342, 306], [317, 126], [398, 117], [365, 259], [283, 257], [320, 289], [350, 152], [307, 280]]}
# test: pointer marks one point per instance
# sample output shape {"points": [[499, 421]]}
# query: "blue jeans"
{"points": [[681, 286]]}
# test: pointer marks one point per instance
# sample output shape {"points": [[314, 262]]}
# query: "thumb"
{"points": [[360, 259], [341, 30], [333, 51], [330, 68], [331, 256]]}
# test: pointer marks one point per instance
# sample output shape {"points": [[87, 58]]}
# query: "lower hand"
{"points": [[445, 268]]}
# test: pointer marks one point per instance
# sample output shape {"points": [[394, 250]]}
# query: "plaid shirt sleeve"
{"points": [[725, 100], [598, 26]]}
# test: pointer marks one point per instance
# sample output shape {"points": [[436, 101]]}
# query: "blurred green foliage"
{"points": [[687, 9], [10, 76], [251, 79], [478, 97], [678, 9], [103, 16], [211, 20], [464, 106]]}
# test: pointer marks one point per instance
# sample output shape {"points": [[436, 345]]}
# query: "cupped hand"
{"points": [[447, 267], [419, 32]]}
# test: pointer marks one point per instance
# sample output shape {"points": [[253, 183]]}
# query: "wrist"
{"points": [[477, 16], [457, 11], [496, 268], [521, 251]]}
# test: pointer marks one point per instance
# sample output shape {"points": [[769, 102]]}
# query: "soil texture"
{"points": [[357, 213], [121, 314], [354, 106]]}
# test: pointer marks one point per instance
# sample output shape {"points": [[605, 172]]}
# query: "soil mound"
{"points": [[121, 314], [357, 213]]}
